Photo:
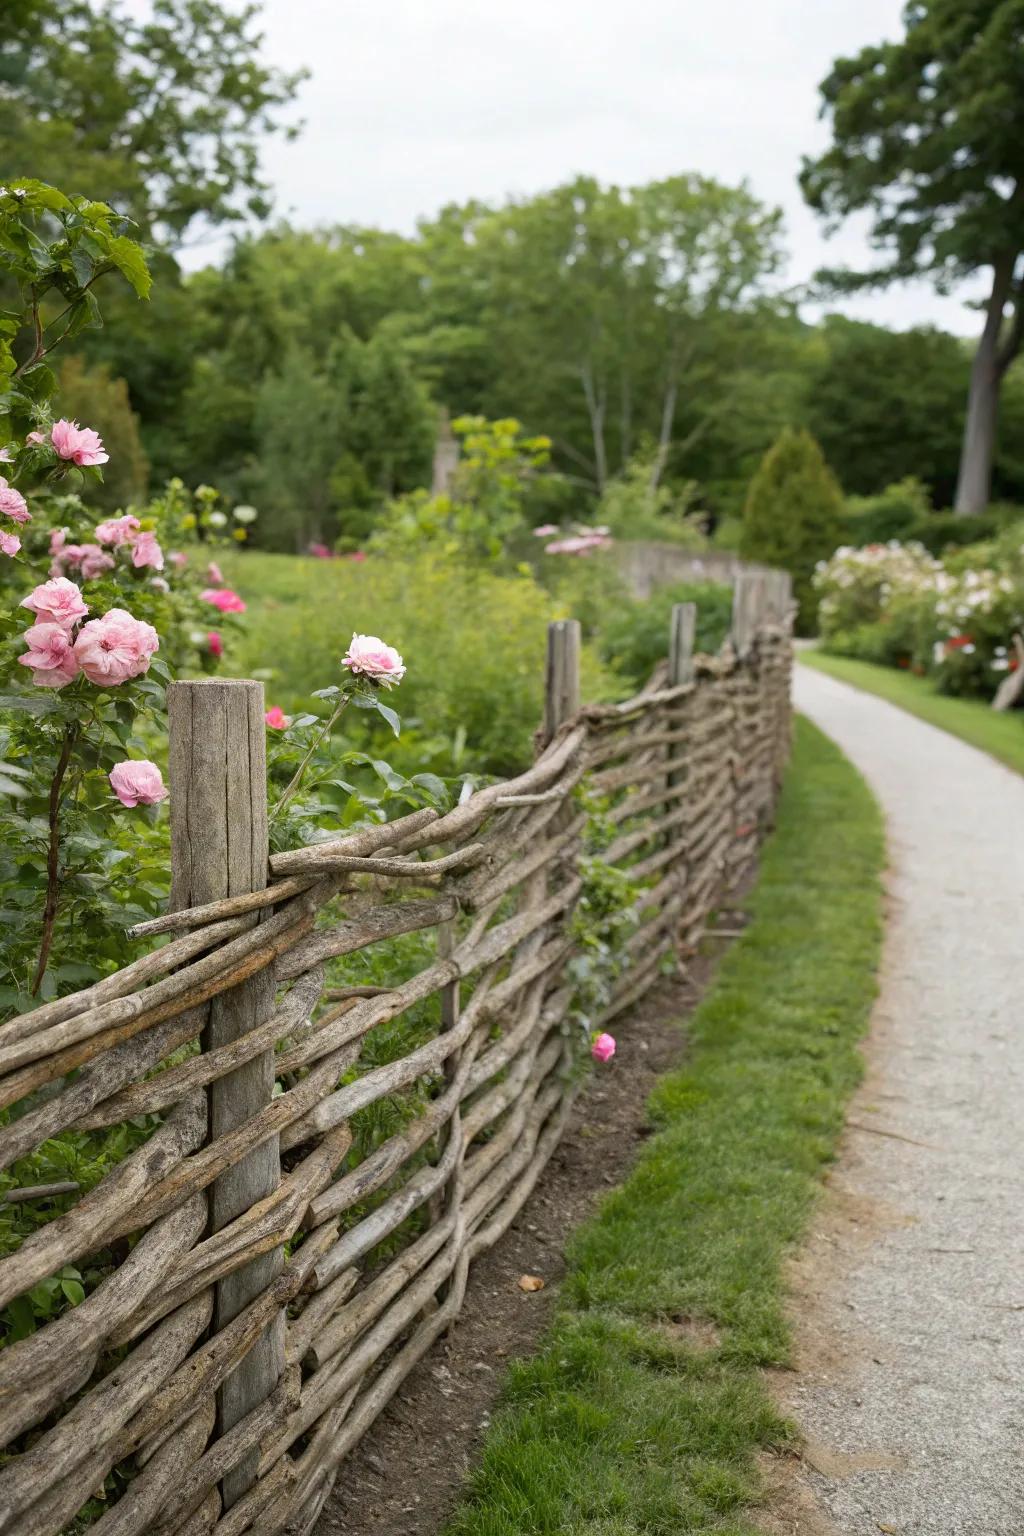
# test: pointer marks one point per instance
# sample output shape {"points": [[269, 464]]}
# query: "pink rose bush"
{"points": [[602, 1047], [81, 445], [369, 657], [223, 599], [137, 782]]}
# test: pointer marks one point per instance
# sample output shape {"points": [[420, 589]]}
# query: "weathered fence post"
{"points": [[219, 847], [682, 632], [562, 680]]}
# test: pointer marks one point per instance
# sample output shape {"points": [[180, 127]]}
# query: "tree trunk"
{"points": [[595, 410], [668, 417], [974, 483]]}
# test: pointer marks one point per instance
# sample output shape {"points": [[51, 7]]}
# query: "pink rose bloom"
{"points": [[224, 599], [370, 658], [276, 718], [58, 538], [603, 1048], [545, 530], [6, 456], [177, 559], [90, 559], [118, 530], [35, 437], [12, 503], [320, 551], [51, 656], [146, 551], [57, 601], [9, 543], [115, 648], [358, 555], [81, 445], [137, 783], [213, 574], [215, 643]]}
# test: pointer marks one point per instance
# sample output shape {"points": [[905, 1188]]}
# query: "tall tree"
{"points": [[160, 117], [928, 135]]}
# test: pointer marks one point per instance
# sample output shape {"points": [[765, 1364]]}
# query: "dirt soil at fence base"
{"points": [[405, 1476]]}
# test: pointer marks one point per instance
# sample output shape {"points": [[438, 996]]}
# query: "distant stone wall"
{"points": [[646, 564]]}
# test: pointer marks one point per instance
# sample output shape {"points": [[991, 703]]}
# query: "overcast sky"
{"points": [[415, 103]]}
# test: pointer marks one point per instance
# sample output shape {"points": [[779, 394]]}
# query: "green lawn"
{"points": [[620, 1426], [974, 721]]}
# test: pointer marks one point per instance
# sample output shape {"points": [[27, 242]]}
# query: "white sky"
{"points": [[415, 103]]}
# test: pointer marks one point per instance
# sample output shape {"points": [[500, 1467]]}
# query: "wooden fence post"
{"points": [[219, 847], [562, 681], [682, 632]]}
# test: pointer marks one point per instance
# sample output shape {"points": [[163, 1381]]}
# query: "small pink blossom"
{"points": [[57, 601], [369, 657], [215, 643], [213, 574], [320, 552], [358, 555], [118, 530], [81, 445], [9, 543], [6, 456], [51, 656], [276, 718], [580, 544], [177, 559], [137, 782], [35, 437], [58, 538], [115, 648], [224, 599], [603, 1047], [13, 504], [545, 530], [88, 559], [146, 551]]}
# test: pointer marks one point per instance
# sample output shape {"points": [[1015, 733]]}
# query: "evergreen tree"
{"points": [[792, 514]]}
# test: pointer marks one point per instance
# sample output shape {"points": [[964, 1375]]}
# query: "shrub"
{"points": [[793, 514], [635, 638], [632, 507], [892, 514], [92, 395]]}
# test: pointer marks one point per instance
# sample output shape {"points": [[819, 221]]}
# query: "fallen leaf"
{"points": [[890, 1530], [530, 1283]]}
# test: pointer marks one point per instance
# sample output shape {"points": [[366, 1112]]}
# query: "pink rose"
{"points": [[88, 559], [35, 437], [13, 504], [215, 643], [9, 543], [58, 538], [320, 552], [370, 658], [51, 656], [147, 551], [6, 456], [358, 555], [276, 718], [118, 530], [81, 445], [177, 559], [115, 648], [603, 1047], [224, 599], [545, 530], [57, 601], [137, 783], [213, 574]]}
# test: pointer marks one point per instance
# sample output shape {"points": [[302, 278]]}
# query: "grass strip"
{"points": [[624, 1423], [999, 734]]}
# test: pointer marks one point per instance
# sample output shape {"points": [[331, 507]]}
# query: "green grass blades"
{"points": [[1000, 735], [620, 1426]]}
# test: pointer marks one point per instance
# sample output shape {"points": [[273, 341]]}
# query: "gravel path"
{"points": [[910, 1296]]}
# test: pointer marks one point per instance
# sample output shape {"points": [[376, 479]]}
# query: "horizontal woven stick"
{"points": [[44, 1370], [344, 938], [169, 1086], [88, 1225], [400, 868], [138, 974], [151, 1489], [241, 1516], [229, 906], [176, 994], [40, 1192], [94, 1422], [486, 887], [357, 845], [320, 1307]]}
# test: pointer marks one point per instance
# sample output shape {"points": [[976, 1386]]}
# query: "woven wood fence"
{"points": [[269, 1290]]}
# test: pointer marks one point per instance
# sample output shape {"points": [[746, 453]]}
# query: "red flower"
{"points": [[904, 662], [956, 642]]}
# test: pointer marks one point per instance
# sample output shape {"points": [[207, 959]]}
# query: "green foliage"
{"points": [[163, 110], [634, 637], [890, 514], [792, 516], [92, 395], [473, 641], [636, 506], [617, 1427]]}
